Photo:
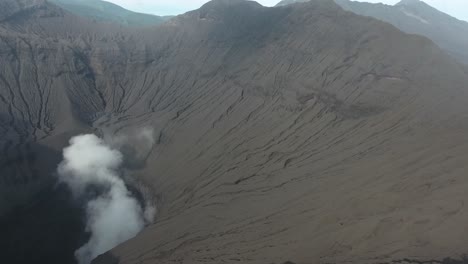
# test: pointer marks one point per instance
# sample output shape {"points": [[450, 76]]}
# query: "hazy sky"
{"points": [[456, 8]]}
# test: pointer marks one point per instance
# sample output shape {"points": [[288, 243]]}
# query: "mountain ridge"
{"points": [[108, 12], [415, 17]]}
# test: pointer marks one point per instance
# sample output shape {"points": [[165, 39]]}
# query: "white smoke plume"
{"points": [[113, 215], [136, 144]]}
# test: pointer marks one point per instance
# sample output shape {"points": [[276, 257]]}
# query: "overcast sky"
{"points": [[456, 8]]}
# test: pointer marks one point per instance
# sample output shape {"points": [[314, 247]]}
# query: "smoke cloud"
{"points": [[136, 145], [91, 170]]}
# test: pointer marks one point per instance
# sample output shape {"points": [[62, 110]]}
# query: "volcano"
{"points": [[301, 133]]}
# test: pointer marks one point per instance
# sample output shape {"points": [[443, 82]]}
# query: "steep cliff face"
{"points": [[300, 133], [33, 103]]}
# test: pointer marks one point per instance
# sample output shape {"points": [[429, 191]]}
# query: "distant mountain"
{"points": [[415, 17], [108, 12], [288, 2]]}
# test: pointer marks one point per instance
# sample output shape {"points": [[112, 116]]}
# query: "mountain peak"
{"points": [[288, 2], [227, 3], [409, 2], [216, 9]]}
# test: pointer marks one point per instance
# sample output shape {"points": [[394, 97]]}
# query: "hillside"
{"points": [[415, 17], [107, 12]]}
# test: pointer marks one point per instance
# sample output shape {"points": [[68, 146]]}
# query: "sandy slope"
{"points": [[301, 133]]}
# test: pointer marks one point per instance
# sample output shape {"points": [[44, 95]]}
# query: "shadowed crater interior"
{"points": [[47, 230]]}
